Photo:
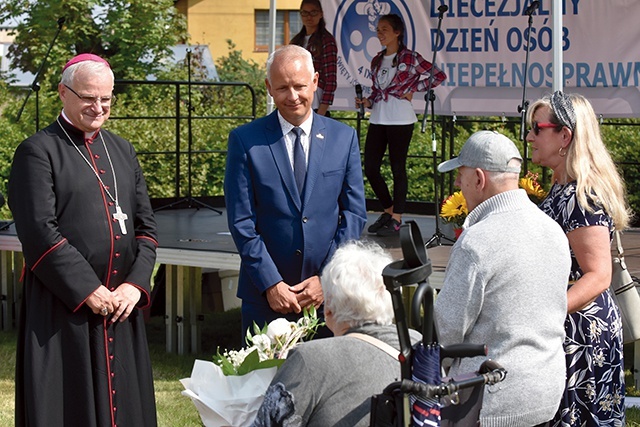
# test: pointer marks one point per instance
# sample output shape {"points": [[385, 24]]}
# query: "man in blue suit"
{"points": [[291, 200]]}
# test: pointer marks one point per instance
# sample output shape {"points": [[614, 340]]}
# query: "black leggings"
{"points": [[397, 138]]}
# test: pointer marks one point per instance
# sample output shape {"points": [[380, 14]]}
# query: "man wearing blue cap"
{"points": [[505, 285]]}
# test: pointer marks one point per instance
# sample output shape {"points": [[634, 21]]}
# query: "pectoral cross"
{"points": [[120, 217]]}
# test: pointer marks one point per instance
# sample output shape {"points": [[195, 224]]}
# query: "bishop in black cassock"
{"points": [[83, 216]]}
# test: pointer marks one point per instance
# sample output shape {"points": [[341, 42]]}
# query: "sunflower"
{"points": [[535, 191], [454, 209]]}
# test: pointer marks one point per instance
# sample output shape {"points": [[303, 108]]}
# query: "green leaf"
{"points": [[250, 363], [270, 363], [225, 365]]}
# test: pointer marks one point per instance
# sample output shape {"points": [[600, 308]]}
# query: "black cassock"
{"points": [[73, 367]]}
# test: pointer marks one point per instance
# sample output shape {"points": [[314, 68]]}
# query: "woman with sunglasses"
{"points": [[316, 39], [587, 199]]}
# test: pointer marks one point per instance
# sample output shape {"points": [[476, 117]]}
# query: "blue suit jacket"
{"points": [[279, 236]]}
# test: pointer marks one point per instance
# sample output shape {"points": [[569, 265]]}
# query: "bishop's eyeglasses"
{"points": [[105, 101]]}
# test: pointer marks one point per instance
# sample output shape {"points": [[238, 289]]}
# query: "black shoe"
{"points": [[391, 228], [380, 222]]}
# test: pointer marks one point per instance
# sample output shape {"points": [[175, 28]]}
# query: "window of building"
{"points": [[288, 23]]}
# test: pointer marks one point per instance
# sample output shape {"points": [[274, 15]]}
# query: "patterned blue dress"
{"points": [[594, 395]]}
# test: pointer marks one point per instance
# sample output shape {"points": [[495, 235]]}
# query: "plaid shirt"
{"points": [[411, 67], [326, 64]]}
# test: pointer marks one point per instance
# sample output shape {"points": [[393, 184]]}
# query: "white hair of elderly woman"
{"points": [[353, 287]]}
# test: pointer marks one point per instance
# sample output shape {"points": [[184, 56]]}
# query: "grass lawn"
{"points": [[174, 410], [7, 366], [219, 329]]}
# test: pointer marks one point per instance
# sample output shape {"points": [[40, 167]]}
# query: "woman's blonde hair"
{"points": [[588, 161]]}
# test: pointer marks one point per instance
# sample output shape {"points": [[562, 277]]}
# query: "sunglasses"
{"points": [[537, 126]]}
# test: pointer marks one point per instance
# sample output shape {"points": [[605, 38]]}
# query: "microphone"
{"points": [[359, 95], [61, 21], [532, 7], [443, 8]]}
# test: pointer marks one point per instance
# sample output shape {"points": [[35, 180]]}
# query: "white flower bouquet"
{"points": [[230, 390]]}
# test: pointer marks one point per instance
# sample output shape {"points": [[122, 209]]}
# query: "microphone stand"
{"points": [[35, 86], [524, 106], [430, 97], [188, 199], [360, 110]]}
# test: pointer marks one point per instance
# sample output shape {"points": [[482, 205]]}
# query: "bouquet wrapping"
{"points": [[229, 390], [224, 400]]}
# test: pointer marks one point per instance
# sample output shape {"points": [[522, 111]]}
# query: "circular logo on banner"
{"points": [[355, 27]]}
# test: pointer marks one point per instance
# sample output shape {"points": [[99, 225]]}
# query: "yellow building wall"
{"points": [[5, 37], [212, 22]]}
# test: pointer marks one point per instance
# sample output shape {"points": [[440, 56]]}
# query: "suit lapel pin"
{"points": [[321, 136]]}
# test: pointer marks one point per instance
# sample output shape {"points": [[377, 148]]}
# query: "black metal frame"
{"points": [[429, 98], [415, 268], [524, 106], [188, 199]]}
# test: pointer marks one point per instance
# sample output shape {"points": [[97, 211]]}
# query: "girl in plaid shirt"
{"points": [[316, 39], [396, 73]]}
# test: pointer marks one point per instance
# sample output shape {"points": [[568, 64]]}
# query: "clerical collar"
{"points": [[87, 135]]}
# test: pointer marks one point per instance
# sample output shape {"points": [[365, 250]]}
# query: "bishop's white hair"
{"points": [[93, 67]]}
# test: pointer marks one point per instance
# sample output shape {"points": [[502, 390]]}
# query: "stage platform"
{"points": [[200, 237], [195, 240]]}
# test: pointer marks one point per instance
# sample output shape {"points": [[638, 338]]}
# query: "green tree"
{"points": [[134, 36], [216, 108], [234, 68]]}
